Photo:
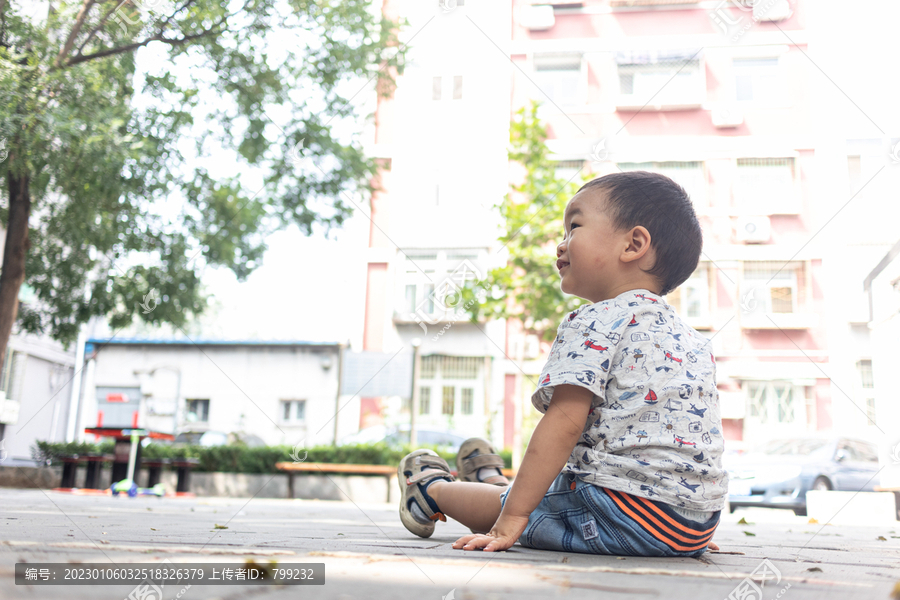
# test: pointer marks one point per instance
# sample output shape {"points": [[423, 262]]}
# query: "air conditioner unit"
{"points": [[753, 230], [537, 17], [774, 10], [727, 116]]}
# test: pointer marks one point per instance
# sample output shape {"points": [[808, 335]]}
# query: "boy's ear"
{"points": [[638, 244]]}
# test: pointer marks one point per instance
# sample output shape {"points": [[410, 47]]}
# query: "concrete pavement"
{"points": [[369, 554]]}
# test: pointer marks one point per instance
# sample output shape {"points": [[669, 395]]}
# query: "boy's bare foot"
{"points": [[713, 546]]}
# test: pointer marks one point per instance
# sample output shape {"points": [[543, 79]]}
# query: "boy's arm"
{"points": [[551, 444]]}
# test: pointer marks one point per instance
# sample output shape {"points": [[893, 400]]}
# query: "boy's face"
{"points": [[589, 255]]}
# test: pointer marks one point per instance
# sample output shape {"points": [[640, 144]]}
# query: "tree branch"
{"points": [[76, 29], [129, 47], [99, 27]]}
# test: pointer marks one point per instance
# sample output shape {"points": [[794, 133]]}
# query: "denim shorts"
{"points": [[595, 520]]}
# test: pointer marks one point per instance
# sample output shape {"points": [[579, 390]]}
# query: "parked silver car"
{"points": [[779, 473]]}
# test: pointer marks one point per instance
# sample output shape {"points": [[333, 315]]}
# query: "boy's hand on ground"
{"points": [[502, 536]]}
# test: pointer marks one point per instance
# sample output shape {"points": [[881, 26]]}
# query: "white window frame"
{"points": [[187, 408], [444, 270], [441, 377], [294, 405], [559, 69], [769, 414], [788, 276], [699, 284], [659, 95], [742, 67], [749, 200]]}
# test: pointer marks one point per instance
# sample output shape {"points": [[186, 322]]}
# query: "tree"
{"points": [[527, 287], [91, 176]]}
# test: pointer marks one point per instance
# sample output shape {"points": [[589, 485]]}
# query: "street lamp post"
{"points": [[414, 400]]}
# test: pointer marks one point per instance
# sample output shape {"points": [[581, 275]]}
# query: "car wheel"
{"points": [[821, 484], [800, 512]]}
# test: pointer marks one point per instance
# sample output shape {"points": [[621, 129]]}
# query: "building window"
{"points": [[418, 292], [457, 87], [450, 367], [467, 401], [691, 298], [424, 400], [854, 171], [558, 76], [449, 400], [757, 80], [774, 402], [766, 186], [436, 88], [865, 374], [199, 409], [460, 367], [772, 287], [660, 78], [428, 289], [7, 377], [688, 174], [429, 366], [293, 411], [867, 381], [870, 411]]}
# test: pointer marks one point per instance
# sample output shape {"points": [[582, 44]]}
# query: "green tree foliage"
{"points": [[527, 287], [94, 153]]}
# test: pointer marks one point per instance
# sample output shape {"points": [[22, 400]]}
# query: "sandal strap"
{"points": [[496, 480], [484, 460], [427, 475]]}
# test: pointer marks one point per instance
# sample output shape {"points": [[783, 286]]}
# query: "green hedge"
{"points": [[238, 458]]}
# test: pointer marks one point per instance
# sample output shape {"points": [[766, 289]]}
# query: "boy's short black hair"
{"points": [[664, 208]]}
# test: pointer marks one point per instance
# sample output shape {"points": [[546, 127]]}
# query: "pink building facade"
{"points": [[715, 95]]}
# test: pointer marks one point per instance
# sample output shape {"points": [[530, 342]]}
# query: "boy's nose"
{"points": [[560, 249]]}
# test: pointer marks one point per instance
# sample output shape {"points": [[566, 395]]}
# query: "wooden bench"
{"points": [[387, 471]]}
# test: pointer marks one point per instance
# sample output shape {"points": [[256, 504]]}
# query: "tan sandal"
{"points": [[410, 474], [467, 465]]}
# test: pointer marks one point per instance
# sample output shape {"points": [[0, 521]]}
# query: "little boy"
{"points": [[627, 458]]}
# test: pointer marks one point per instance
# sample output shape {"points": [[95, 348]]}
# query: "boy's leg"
{"points": [[475, 505]]}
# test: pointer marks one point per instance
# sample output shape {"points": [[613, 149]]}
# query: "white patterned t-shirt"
{"points": [[654, 428]]}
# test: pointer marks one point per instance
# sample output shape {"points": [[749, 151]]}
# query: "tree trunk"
{"points": [[17, 244]]}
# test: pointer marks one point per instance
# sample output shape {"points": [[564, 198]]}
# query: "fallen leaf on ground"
{"points": [[220, 526], [881, 538], [151, 529], [813, 521], [743, 521], [896, 593], [815, 569], [749, 533]]}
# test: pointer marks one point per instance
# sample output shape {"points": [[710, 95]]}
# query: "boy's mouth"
{"points": [[561, 264]]}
